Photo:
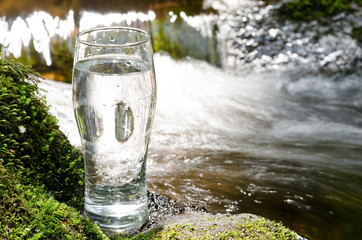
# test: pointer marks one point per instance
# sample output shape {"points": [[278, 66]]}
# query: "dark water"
{"points": [[269, 121]]}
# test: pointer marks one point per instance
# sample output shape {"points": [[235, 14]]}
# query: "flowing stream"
{"points": [[277, 131], [238, 144]]}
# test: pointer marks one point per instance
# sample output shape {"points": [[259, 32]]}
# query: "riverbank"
{"points": [[41, 183]]}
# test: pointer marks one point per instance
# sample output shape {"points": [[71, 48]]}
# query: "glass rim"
{"points": [[147, 36]]}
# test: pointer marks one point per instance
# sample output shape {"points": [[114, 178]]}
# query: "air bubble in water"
{"points": [[111, 39]]}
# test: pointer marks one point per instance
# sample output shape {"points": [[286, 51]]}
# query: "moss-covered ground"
{"points": [[41, 179]]}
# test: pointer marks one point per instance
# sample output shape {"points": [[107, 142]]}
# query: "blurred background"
{"points": [[259, 102]]}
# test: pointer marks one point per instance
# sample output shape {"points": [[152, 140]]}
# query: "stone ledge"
{"points": [[201, 225]]}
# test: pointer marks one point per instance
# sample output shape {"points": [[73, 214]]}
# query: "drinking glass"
{"points": [[114, 99]]}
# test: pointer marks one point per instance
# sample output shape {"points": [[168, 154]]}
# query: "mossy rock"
{"points": [[357, 33], [308, 10], [31, 144], [31, 212], [41, 180], [195, 225], [40, 172]]}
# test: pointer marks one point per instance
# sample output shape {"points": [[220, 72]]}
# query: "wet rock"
{"points": [[306, 43], [172, 220], [193, 225], [161, 207]]}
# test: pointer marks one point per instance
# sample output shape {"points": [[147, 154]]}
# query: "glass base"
{"points": [[118, 218]]}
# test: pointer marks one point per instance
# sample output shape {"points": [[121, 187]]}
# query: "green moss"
{"points": [[161, 41], [62, 57], [31, 143], [29, 56], [38, 166], [61, 54], [180, 40], [30, 212], [262, 228], [357, 33], [308, 10]]}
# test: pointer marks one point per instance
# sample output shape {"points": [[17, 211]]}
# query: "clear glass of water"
{"points": [[114, 99]]}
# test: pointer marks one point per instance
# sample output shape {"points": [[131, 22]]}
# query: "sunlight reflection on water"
{"points": [[41, 27]]}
